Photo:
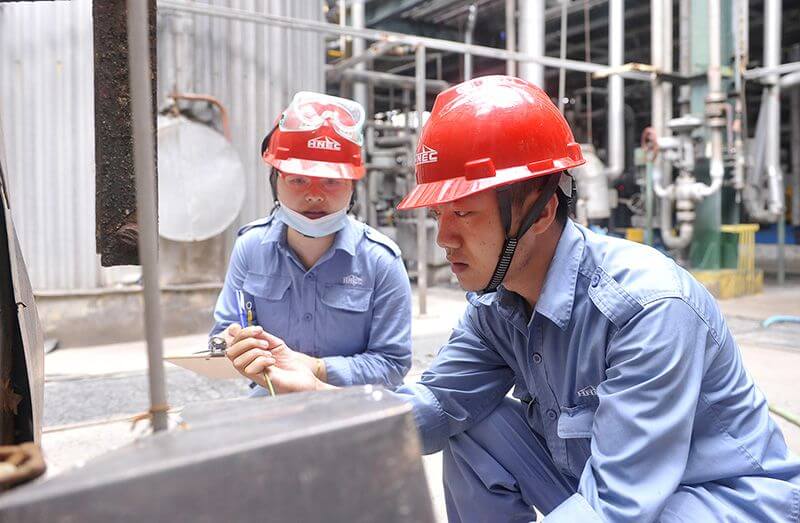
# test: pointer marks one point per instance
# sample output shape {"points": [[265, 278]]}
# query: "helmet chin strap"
{"points": [[510, 244]]}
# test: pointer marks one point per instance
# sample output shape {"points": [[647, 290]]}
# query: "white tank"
{"points": [[592, 185], [200, 181]]}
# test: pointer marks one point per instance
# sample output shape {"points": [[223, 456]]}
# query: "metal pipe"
{"points": [[790, 80], [740, 24], [562, 73], [531, 40], [511, 35], [770, 70], [375, 50], [684, 53], [795, 125], [400, 38], [396, 80], [359, 45], [147, 209], [226, 127], [473, 15], [769, 134], [343, 23], [661, 56], [715, 118], [616, 89], [772, 59], [422, 214]]}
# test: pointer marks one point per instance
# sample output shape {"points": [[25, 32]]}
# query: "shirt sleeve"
{"points": [[466, 382], [226, 309], [387, 357], [642, 428]]}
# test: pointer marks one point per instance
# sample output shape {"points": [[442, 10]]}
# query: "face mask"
{"points": [[318, 228]]}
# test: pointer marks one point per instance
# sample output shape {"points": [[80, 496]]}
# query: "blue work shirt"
{"points": [[631, 377], [352, 308]]}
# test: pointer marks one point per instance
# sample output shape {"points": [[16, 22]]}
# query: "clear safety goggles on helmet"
{"points": [[309, 111]]}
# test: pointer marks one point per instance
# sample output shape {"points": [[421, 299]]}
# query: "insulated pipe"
{"points": [[562, 73], [473, 15], [511, 35], [770, 135], [772, 58], [360, 90], [531, 39], [422, 214], [790, 80], [359, 48], [666, 190], [714, 101], [616, 89]]}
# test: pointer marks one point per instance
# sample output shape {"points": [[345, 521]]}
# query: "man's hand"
{"points": [[254, 351]]}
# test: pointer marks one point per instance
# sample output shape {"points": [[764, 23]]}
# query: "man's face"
{"points": [[471, 232], [313, 197]]}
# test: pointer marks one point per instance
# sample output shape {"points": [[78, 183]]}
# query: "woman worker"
{"points": [[333, 289]]}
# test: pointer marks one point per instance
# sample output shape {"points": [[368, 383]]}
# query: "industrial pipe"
{"points": [[473, 15], [714, 101], [616, 89], [511, 35], [769, 134], [422, 214], [661, 38], [145, 169], [531, 39]]}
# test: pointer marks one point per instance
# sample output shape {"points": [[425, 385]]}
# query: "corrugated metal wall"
{"points": [[46, 99], [252, 69]]}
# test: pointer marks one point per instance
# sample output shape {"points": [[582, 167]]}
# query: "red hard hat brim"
{"points": [[453, 189], [317, 169]]}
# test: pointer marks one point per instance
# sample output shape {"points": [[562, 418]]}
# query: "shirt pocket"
{"points": [[272, 301], [347, 309], [575, 427]]}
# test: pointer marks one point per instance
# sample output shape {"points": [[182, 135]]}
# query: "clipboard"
{"points": [[214, 367]]}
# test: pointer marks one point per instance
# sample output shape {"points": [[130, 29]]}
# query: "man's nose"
{"points": [[447, 236]]}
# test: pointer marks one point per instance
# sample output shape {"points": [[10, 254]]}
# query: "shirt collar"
{"points": [[558, 293], [345, 240]]}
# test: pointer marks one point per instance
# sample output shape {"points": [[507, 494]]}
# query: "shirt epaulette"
{"points": [[379, 237], [261, 222]]}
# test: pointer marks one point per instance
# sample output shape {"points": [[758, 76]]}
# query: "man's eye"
{"points": [[461, 214]]}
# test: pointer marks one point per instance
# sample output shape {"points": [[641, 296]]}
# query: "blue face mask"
{"points": [[318, 228]]}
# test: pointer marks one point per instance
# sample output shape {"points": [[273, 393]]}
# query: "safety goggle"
{"points": [[309, 111]]}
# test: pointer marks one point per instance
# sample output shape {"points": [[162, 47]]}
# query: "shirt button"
{"points": [[537, 358], [307, 317], [311, 276], [595, 280], [552, 414]]}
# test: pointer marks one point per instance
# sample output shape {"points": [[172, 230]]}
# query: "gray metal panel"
{"points": [[347, 455], [47, 102], [46, 97], [253, 69]]}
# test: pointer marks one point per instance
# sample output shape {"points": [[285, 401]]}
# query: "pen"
{"points": [[246, 319]]}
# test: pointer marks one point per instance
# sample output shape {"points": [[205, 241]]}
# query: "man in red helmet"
{"points": [[333, 288], [630, 402]]}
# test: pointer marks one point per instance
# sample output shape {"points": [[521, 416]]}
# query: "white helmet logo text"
{"points": [[324, 143], [427, 155]]}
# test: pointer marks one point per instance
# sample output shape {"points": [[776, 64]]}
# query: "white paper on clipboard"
{"points": [[218, 368]]}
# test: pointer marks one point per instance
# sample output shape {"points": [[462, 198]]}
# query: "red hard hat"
{"points": [[486, 133], [317, 135]]}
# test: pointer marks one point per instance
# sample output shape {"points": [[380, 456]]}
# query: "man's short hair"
{"points": [[521, 190]]}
